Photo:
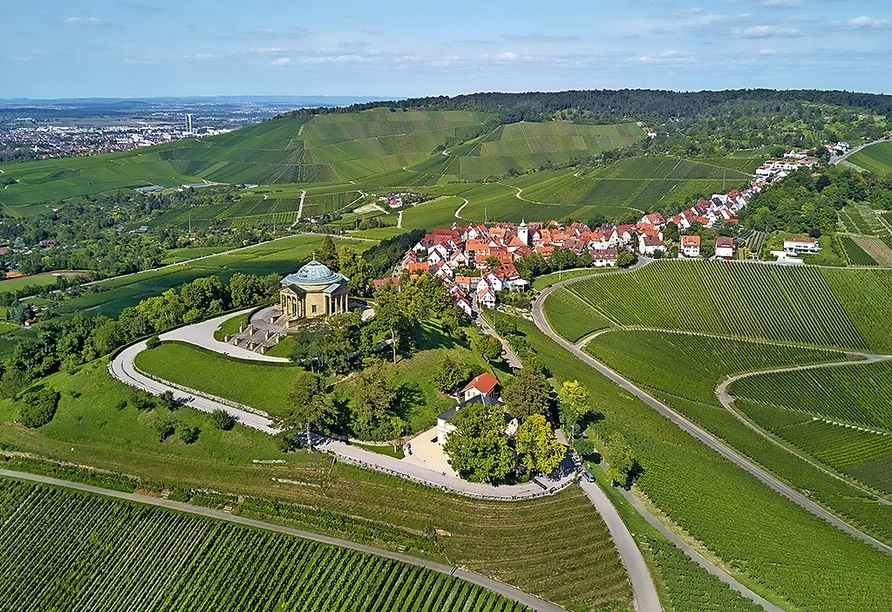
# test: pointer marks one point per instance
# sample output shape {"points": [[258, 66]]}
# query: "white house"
{"points": [[690, 246], [798, 246], [724, 247], [603, 258], [648, 245]]}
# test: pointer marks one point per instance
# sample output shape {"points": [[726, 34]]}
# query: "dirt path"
{"points": [[461, 208]]}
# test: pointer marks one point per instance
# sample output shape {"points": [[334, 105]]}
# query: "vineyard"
{"points": [[876, 158], [69, 551], [691, 366], [732, 299], [842, 416], [761, 536], [877, 248], [751, 239], [856, 255]]}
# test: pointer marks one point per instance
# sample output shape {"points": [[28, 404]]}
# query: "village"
{"points": [[478, 261]]}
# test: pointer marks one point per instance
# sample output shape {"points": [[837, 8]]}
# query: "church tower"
{"points": [[523, 233]]}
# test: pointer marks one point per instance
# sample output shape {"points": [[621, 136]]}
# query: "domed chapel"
{"points": [[313, 291]]}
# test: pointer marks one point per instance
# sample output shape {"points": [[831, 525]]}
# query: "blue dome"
{"points": [[314, 273]]}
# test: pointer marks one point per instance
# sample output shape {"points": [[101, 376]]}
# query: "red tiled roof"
{"points": [[484, 383]]}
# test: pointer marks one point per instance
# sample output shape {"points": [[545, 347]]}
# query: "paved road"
{"points": [[841, 158], [646, 598], [700, 434], [503, 589], [123, 368]]}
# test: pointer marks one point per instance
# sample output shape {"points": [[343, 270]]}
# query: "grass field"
{"points": [[875, 158], [276, 257], [731, 299], [268, 386], [572, 318], [769, 542], [116, 555], [576, 565]]}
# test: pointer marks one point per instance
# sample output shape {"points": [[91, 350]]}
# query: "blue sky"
{"points": [[146, 48]]}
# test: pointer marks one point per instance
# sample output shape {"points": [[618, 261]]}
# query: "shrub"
{"points": [[39, 407], [153, 341], [187, 433], [222, 419], [164, 427]]}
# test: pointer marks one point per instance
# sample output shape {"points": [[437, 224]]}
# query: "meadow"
{"points": [[576, 565], [876, 158], [117, 555]]}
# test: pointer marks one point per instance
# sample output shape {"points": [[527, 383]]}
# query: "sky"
{"points": [[145, 48]]}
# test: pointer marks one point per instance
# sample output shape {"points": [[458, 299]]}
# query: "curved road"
{"points": [[123, 368], [503, 589], [700, 434]]}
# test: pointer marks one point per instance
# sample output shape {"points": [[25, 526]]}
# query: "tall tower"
{"points": [[188, 123], [523, 233]]}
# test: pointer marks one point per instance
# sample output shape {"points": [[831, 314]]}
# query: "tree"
{"points": [[450, 374], [222, 419], [187, 433], [526, 394], [539, 450], [574, 405], [478, 449], [341, 341], [307, 348], [625, 258], [327, 253], [309, 407], [168, 400], [488, 346], [389, 315], [356, 269], [374, 401], [163, 311], [246, 290], [621, 461]]}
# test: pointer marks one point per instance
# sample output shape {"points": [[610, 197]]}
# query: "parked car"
{"points": [[589, 477]]}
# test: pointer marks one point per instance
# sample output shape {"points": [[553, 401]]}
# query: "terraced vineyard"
{"points": [[724, 298], [783, 548], [842, 416], [876, 248], [70, 551]]}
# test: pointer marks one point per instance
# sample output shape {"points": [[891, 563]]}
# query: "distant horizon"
{"points": [[160, 48], [360, 99]]}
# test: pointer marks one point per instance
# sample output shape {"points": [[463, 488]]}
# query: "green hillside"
{"points": [[875, 158]]}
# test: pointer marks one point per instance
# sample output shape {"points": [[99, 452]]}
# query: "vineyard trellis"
{"points": [[73, 551]]}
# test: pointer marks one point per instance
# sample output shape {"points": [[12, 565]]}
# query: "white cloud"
{"points": [[282, 61], [868, 22], [767, 31], [82, 21], [781, 3], [509, 56]]}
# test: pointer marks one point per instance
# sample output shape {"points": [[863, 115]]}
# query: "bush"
{"points": [[187, 433], [142, 400], [163, 427], [39, 407], [222, 419], [168, 400], [121, 404], [153, 341]]}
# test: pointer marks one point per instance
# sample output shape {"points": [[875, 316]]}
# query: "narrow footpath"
{"points": [[526, 599]]}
